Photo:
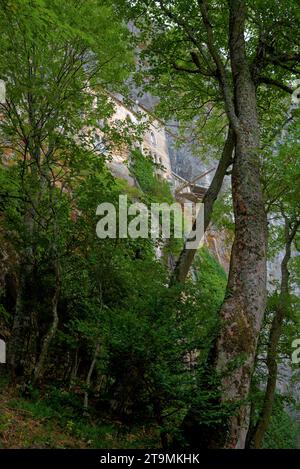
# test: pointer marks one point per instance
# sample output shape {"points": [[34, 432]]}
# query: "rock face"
{"points": [[219, 243], [184, 163]]}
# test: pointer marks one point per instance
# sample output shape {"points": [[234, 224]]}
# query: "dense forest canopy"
{"points": [[134, 343]]}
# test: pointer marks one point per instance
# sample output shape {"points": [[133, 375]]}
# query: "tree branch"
{"points": [[179, 68], [187, 255], [277, 84], [225, 88]]}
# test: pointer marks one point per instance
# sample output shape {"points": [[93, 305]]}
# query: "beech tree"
{"points": [[52, 56], [100, 340], [236, 52]]}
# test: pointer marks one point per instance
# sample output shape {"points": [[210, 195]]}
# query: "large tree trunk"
{"points": [[243, 308], [242, 311], [233, 353], [274, 337], [186, 256]]}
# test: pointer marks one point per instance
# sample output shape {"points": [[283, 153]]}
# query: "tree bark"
{"points": [[233, 353], [243, 308]]}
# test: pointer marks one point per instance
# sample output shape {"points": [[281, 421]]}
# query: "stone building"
{"points": [[154, 141], [158, 143]]}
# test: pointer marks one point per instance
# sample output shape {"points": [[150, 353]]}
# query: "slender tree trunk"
{"points": [[186, 256], [16, 342], [88, 378], [274, 337], [40, 366], [22, 346], [75, 368], [22, 343]]}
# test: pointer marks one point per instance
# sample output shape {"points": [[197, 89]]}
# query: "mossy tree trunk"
{"points": [[243, 308], [241, 314]]}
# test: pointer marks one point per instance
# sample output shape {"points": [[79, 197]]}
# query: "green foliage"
{"points": [[143, 168], [155, 190], [222, 216], [138, 349], [283, 431], [212, 279]]}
